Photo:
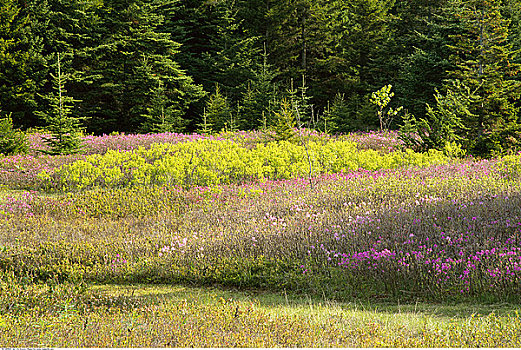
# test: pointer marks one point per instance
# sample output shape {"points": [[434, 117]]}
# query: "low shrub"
{"points": [[209, 162], [510, 166]]}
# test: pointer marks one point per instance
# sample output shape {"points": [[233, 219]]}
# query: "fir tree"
{"points": [[249, 118], [423, 27], [485, 63], [132, 53], [64, 127], [443, 125], [22, 73], [205, 127], [218, 111], [284, 122], [259, 94], [161, 116], [12, 141], [335, 115]]}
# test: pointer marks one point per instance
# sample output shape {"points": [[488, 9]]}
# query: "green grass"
{"points": [[181, 316]]}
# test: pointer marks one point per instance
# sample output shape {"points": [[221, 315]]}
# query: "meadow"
{"points": [[236, 240]]}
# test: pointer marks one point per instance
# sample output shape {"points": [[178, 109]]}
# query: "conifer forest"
{"points": [[158, 65]]}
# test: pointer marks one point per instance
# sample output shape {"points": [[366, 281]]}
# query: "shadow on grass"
{"points": [[274, 301]]}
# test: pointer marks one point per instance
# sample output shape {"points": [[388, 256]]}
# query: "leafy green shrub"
{"points": [[12, 141], [510, 166], [210, 162]]}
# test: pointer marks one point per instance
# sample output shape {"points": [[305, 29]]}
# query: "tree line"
{"points": [[445, 71]]}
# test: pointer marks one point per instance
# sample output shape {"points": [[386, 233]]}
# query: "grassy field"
{"points": [[340, 242], [177, 316]]}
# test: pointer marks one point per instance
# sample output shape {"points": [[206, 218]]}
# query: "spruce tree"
{"points": [[249, 118], [132, 53], [284, 125], [22, 73], [335, 115], [64, 127], [204, 127], [259, 94], [218, 111], [352, 66], [12, 141], [485, 63], [161, 116], [423, 28], [443, 126]]}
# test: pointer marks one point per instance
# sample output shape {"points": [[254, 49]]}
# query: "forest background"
{"points": [[208, 65]]}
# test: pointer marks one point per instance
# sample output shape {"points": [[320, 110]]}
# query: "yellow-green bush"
{"points": [[211, 162], [510, 166]]}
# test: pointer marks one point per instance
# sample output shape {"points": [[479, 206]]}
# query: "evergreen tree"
{"points": [[443, 125], [237, 51], [299, 100], [258, 96], [161, 116], [351, 68], [216, 47], [420, 52], [250, 109], [65, 129], [289, 22], [484, 62], [284, 125], [218, 111], [333, 115], [127, 62], [21, 71], [12, 141], [193, 24], [301, 39], [205, 127]]}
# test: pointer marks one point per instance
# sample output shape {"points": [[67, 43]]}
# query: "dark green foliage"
{"points": [[218, 111], [205, 127], [216, 46], [12, 141], [443, 125], [356, 113], [477, 108], [259, 98], [408, 133], [130, 58], [250, 110], [21, 73], [335, 115], [142, 65], [161, 116], [301, 102], [484, 62], [419, 52], [64, 127]]}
